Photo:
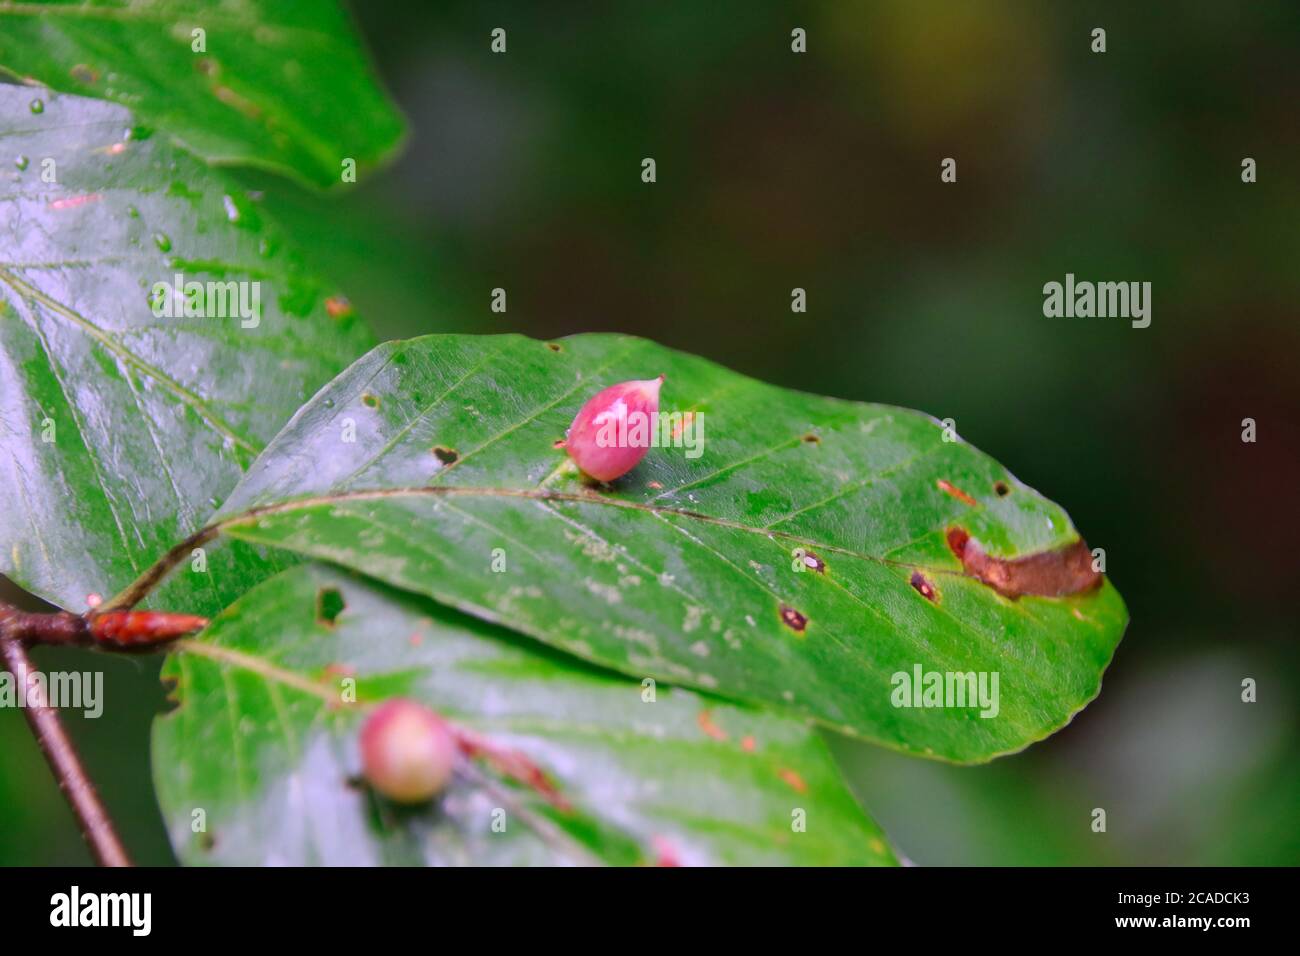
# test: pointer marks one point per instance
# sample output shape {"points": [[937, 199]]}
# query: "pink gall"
{"points": [[613, 430], [408, 752]]}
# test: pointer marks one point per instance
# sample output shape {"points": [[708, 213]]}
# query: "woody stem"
{"points": [[49, 732]]}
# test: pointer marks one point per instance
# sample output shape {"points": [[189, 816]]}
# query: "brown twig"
{"points": [[62, 757], [120, 630]]}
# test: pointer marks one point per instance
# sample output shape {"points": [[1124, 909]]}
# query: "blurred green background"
{"points": [[821, 171]]}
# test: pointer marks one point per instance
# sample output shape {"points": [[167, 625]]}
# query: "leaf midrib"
{"points": [[138, 589]]}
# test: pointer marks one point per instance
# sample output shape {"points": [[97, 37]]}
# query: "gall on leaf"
{"points": [[408, 752], [612, 431]]}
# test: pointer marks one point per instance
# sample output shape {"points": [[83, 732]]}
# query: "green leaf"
{"points": [[685, 570], [280, 85], [121, 431], [263, 744]]}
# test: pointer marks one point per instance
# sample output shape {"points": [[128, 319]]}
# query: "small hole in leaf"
{"points": [[448, 456], [329, 605], [370, 401], [1001, 488], [553, 346]]}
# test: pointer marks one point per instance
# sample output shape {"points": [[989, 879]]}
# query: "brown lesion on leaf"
{"points": [[338, 307], [813, 562], [558, 443], [554, 346], [511, 763], [683, 424], [1066, 570], [72, 202], [812, 439], [793, 619], [207, 841], [948, 488], [705, 720], [1001, 489], [369, 400], [792, 779], [924, 587], [448, 456]]}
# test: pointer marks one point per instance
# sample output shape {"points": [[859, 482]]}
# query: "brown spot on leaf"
{"points": [[370, 401], [513, 763], [812, 439], [207, 842], [84, 74], [338, 307], [948, 488], [235, 101], [553, 346], [1001, 489], [793, 779], [448, 456], [1067, 570], [71, 202], [558, 443], [924, 587], [813, 561], [682, 425], [705, 720], [794, 620]]}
